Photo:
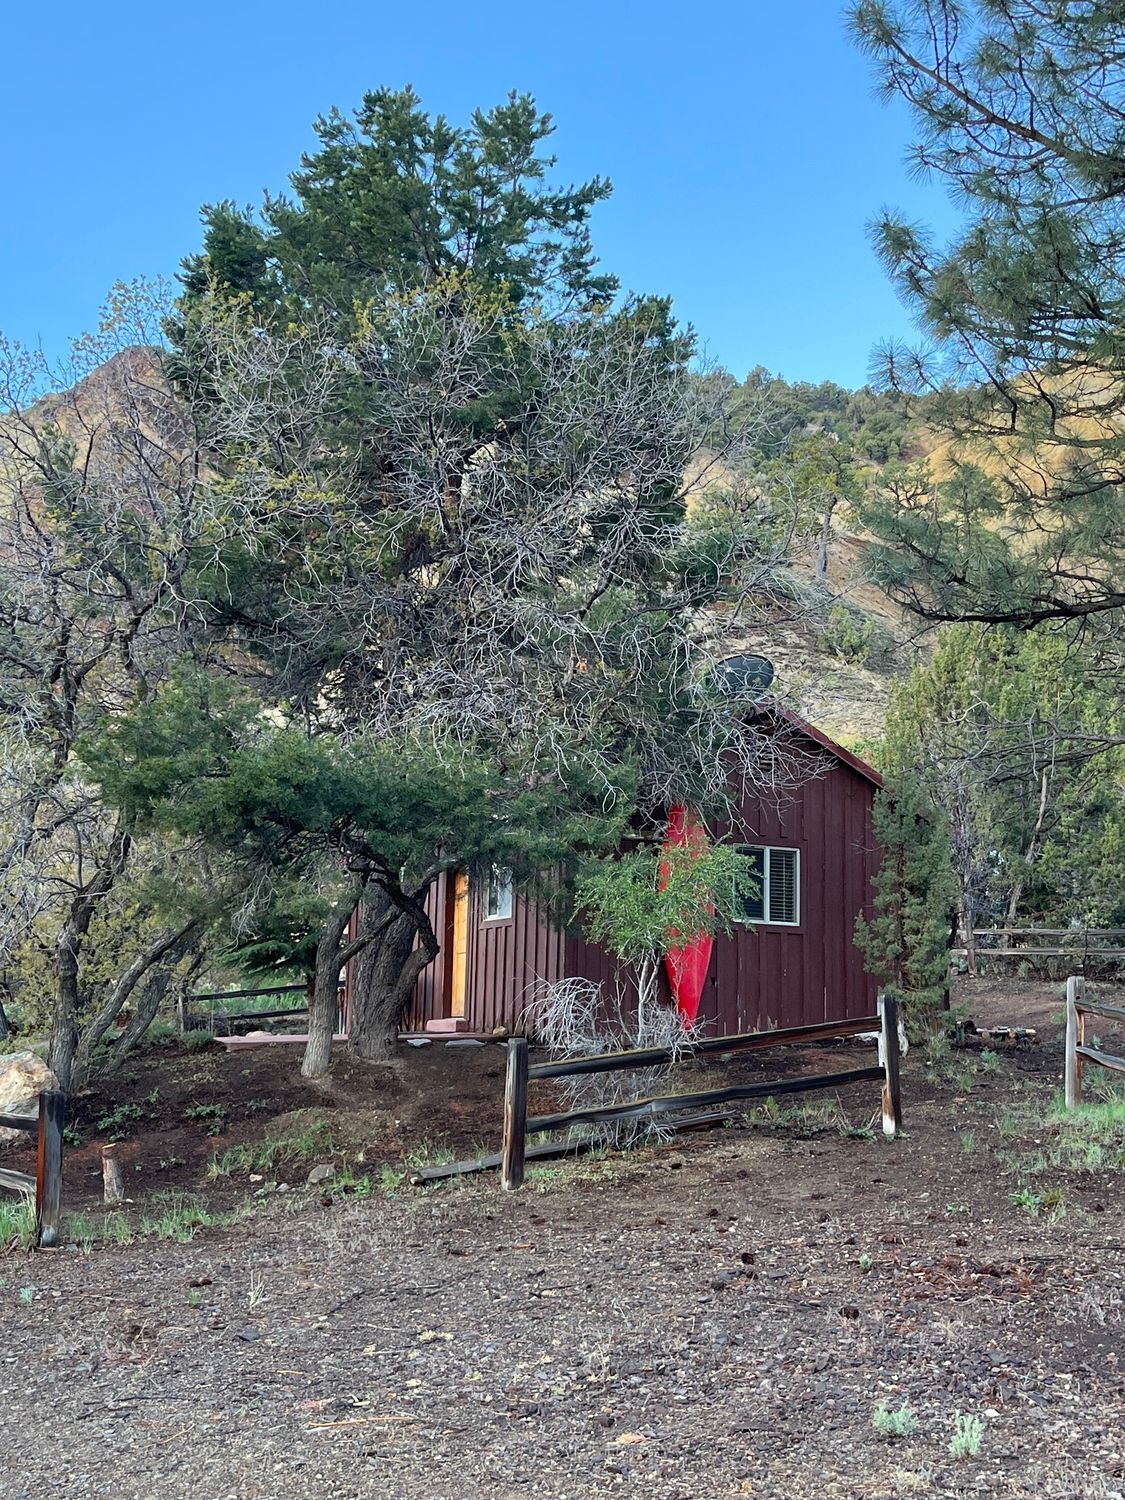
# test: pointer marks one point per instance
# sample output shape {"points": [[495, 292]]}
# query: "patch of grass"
{"points": [[177, 1216], [196, 1041], [426, 1154], [566, 1172], [968, 1434], [891, 1425], [866, 1262], [86, 1231], [390, 1180], [968, 1142], [300, 1144], [806, 1117], [27, 1295], [1091, 1137], [17, 1223], [989, 1061]]}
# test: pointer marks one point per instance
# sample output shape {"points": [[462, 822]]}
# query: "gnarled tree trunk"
{"points": [[385, 976], [324, 995]]}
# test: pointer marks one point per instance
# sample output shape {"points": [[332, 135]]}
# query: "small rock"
{"points": [[248, 1335], [323, 1172]]}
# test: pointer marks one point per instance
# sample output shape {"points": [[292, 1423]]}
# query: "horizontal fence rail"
{"points": [[1078, 1052], [230, 1018], [1013, 942], [46, 1185], [518, 1125]]}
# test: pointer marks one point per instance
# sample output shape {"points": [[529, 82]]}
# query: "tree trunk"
{"points": [[1032, 851], [64, 1022], [156, 987], [825, 542], [383, 979], [68, 953], [166, 948], [324, 994], [5, 1027]]}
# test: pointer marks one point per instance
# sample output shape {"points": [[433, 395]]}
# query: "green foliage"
{"points": [[302, 1143], [197, 1041], [316, 813], [906, 941], [899, 1423], [1028, 1200], [211, 1116], [968, 1434], [397, 195], [117, 1121], [17, 1222], [176, 1216], [1016, 107], [1014, 735], [848, 633], [639, 904]]}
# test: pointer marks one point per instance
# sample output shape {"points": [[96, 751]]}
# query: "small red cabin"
{"points": [[794, 963]]}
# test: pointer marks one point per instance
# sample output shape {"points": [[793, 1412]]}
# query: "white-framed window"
{"points": [[498, 894], [777, 876]]}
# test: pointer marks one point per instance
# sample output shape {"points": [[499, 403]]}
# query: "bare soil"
{"points": [[716, 1317]]}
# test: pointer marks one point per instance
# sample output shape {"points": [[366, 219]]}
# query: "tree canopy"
{"points": [[1020, 109]]}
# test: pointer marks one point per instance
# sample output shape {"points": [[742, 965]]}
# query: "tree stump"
{"points": [[113, 1188]]}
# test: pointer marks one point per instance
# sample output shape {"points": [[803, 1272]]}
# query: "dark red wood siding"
{"points": [[508, 959], [759, 977], [790, 976]]}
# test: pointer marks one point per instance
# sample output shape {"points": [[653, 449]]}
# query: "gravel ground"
{"points": [[715, 1318]]}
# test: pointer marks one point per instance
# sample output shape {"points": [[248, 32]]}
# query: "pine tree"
{"points": [[1019, 110], [906, 940]]}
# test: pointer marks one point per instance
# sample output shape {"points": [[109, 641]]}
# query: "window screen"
{"points": [[777, 875], [498, 899], [781, 885]]}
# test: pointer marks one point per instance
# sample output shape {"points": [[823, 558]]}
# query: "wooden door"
{"points": [[459, 948]]}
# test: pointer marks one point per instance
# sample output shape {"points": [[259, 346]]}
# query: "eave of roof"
{"points": [[818, 736]]}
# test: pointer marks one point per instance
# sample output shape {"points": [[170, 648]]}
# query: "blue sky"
{"points": [[744, 141]]}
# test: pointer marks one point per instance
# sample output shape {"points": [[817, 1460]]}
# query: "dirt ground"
{"points": [[715, 1317]]}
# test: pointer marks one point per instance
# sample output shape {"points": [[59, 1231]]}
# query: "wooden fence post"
{"points": [[48, 1177], [1075, 1034], [888, 1056], [515, 1115]]}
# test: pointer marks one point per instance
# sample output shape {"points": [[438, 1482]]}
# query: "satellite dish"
{"points": [[746, 677]]}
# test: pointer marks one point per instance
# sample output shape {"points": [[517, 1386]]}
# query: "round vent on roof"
{"points": [[745, 677]]}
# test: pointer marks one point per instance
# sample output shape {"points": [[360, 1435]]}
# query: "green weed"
{"points": [[968, 1142], [17, 1223], [176, 1216], [213, 1116], [894, 1424], [116, 1121], [1028, 1200], [302, 1144], [968, 1433]]}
